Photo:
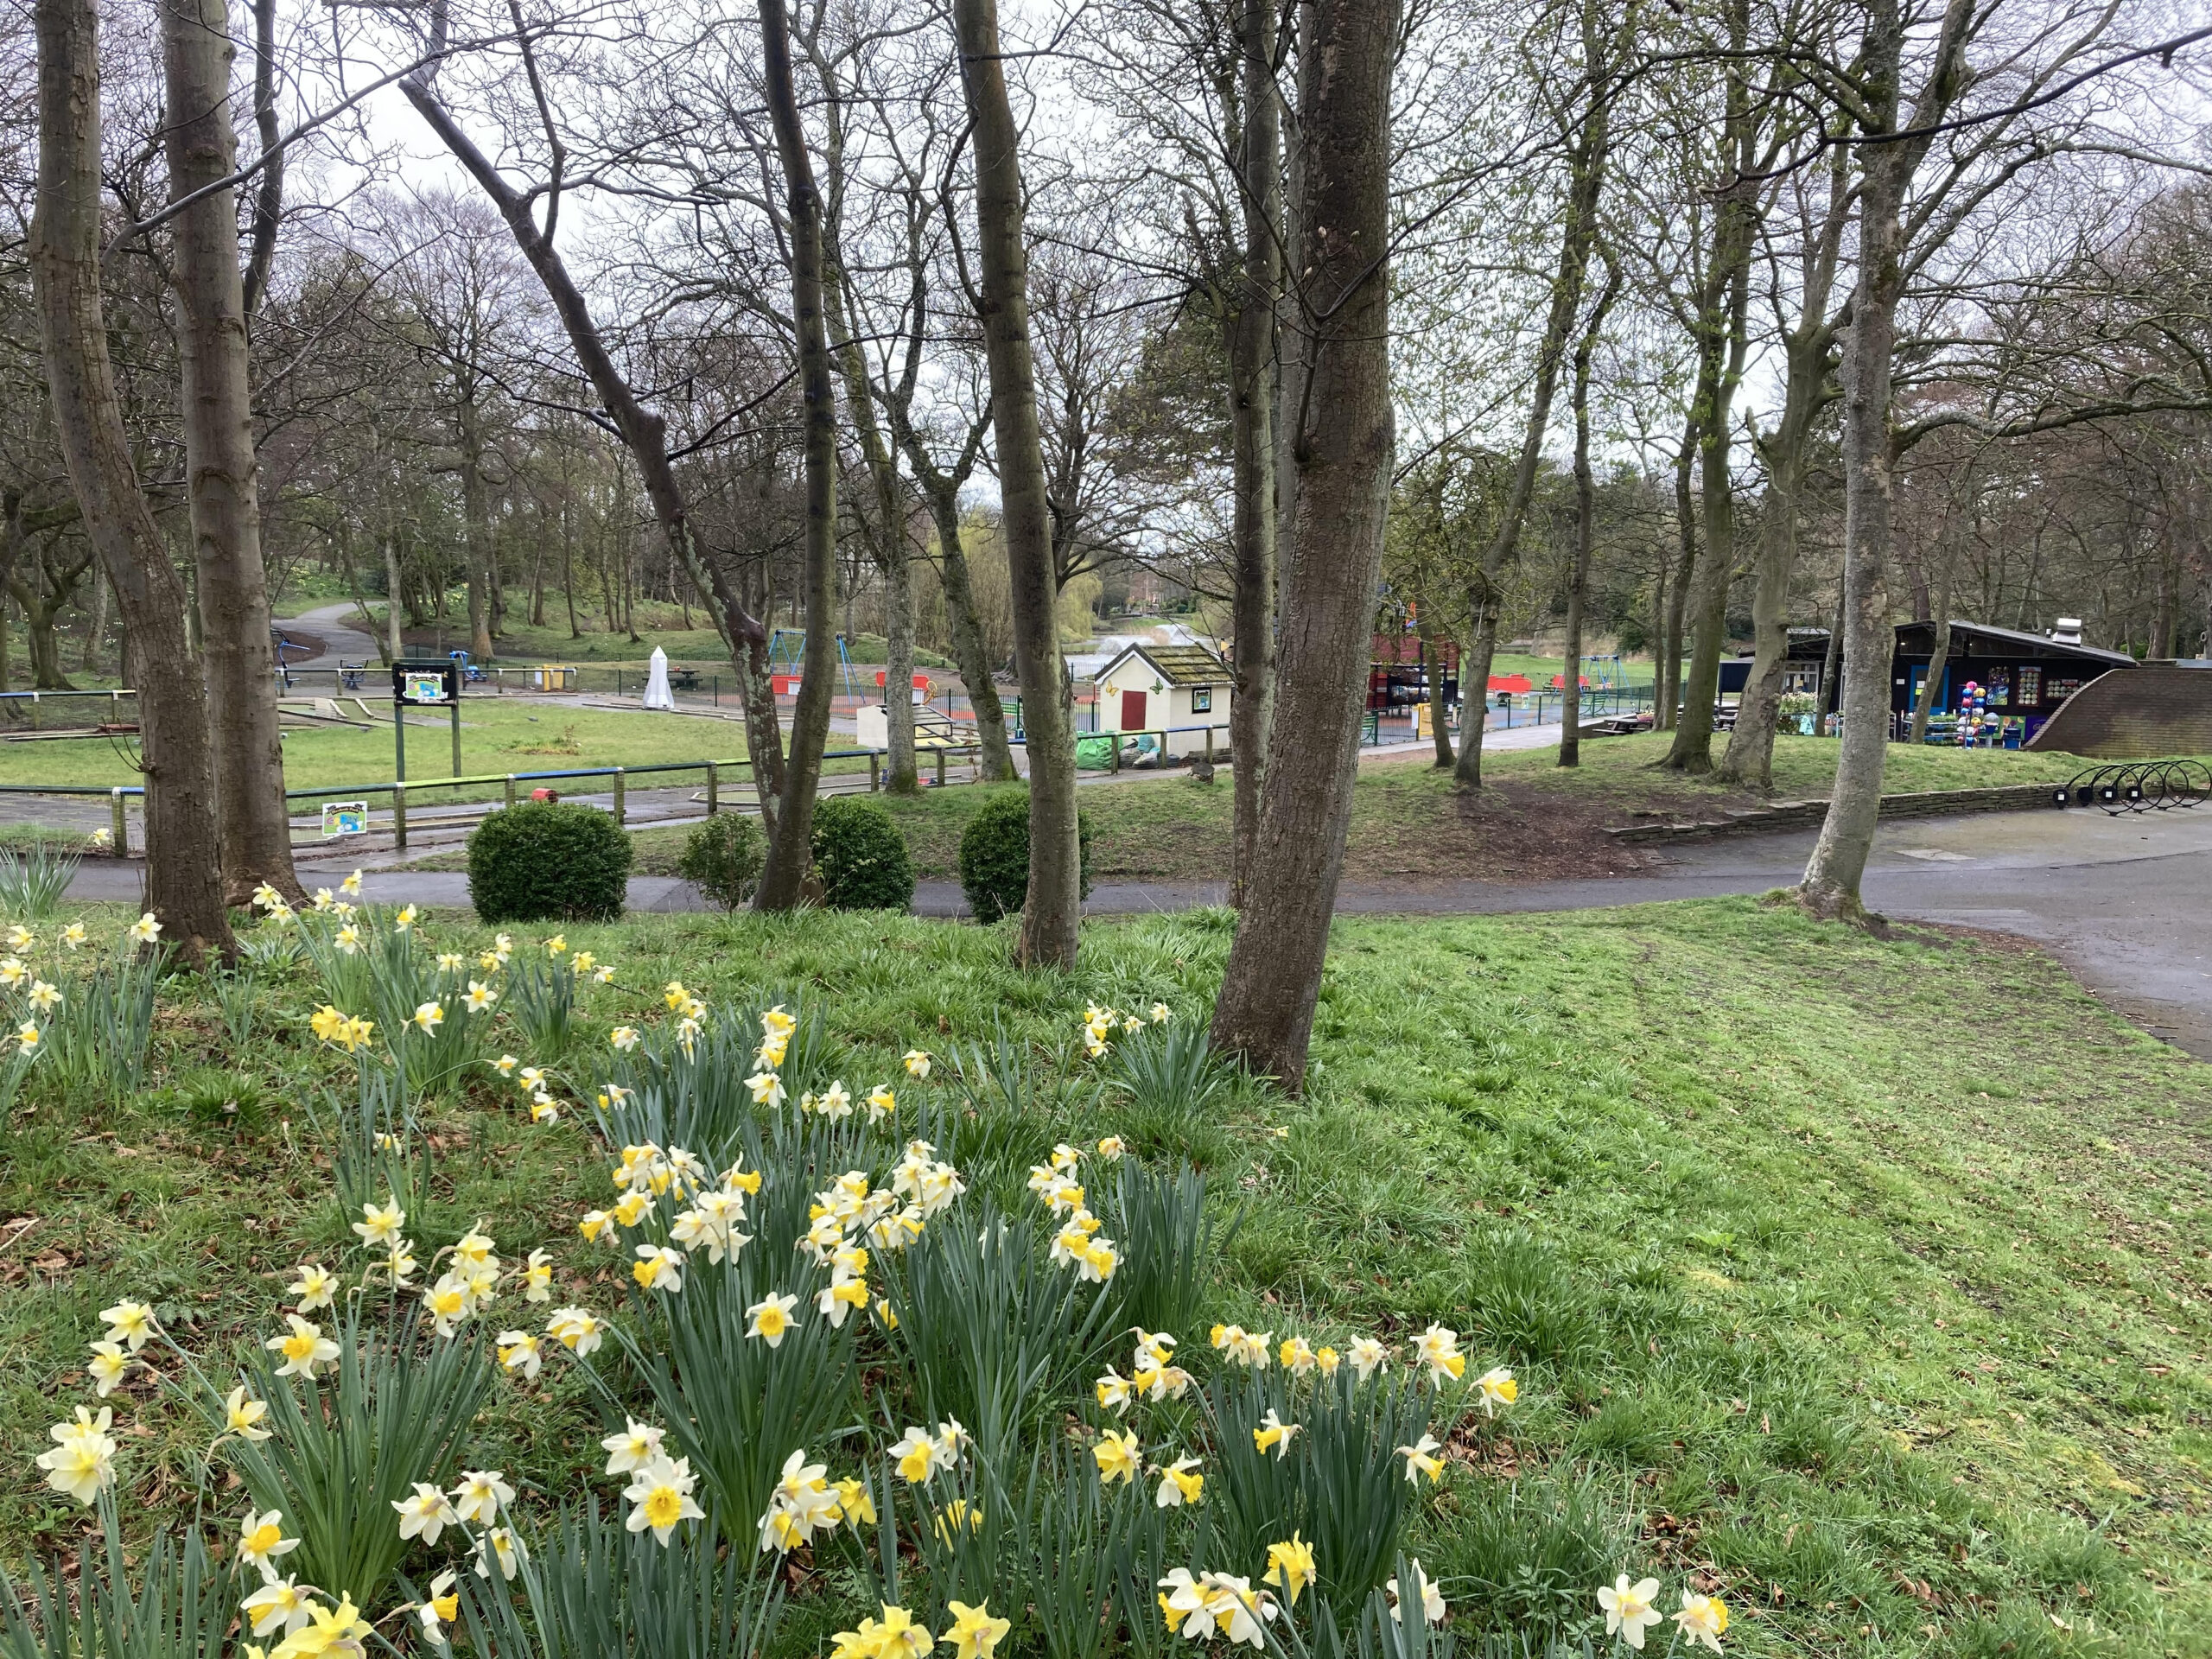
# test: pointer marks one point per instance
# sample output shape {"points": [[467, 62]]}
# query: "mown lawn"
{"points": [[1863, 1283], [1531, 820]]}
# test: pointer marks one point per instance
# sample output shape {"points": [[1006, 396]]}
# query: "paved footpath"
{"points": [[2125, 902]]}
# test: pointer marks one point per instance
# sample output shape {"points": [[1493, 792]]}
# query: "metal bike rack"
{"points": [[2137, 786]]}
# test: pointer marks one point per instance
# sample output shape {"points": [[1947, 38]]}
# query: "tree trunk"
{"points": [[1586, 160], [1721, 330], [476, 523], [645, 435], [1050, 916], [1750, 757], [184, 881], [394, 648], [967, 628], [1586, 516], [1433, 648], [790, 857], [1830, 670], [1667, 689], [1264, 1013], [1252, 372], [893, 554], [1830, 885], [88, 660], [221, 469], [1923, 701]]}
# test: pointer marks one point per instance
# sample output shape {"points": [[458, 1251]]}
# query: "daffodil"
{"points": [[1438, 1349], [898, 1636], [504, 1066], [499, 1548], [576, 1330], [13, 971], [1297, 1357], [1116, 1456], [145, 930], [1239, 1610], [106, 1366], [1183, 1604], [441, 1610], [1702, 1619], [451, 961], [315, 1286], [853, 1500], [429, 1015], [974, 1633], [242, 1415], [1432, 1598], [1274, 1435], [658, 1268], [1111, 1148], [43, 997], [1367, 1356], [481, 1495], [1629, 1609], [625, 1038], [521, 1351], [957, 1514], [81, 1463], [338, 1633], [27, 1037], [480, 996], [1497, 1388], [660, 1498], [767, 1088], [348, 939], [881, 1102], [770, 1318], [1421, 1460], [278, 1602], [1290, 1568], [304, 1348], [918, 1063], [426, 1515], [352, 885], [1112, 1391], [261, 1539], [537, 1277], [130, 1323], [74, 936], [556, 944], [1180, 1483]]}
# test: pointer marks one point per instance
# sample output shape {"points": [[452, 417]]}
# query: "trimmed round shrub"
{"points": [[994, 856], [861, 856], [546, 862], [724, 857]]}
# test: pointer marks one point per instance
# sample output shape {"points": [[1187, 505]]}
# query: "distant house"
{"points": [[1182, 690]]}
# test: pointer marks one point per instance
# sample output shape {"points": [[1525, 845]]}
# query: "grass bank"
{"points": [[1863, 1283]]}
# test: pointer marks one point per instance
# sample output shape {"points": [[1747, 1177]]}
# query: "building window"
{"points": [[1202, 699], [2030, 689]]}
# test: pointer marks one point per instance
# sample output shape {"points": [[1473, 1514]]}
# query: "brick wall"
{"points": [[2134, 714]]}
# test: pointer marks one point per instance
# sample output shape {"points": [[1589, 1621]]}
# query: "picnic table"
{"points": [[683, 679]]}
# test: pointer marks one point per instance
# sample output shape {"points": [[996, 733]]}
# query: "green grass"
{"points": [[498, 735], [1408, 823], [1866, 1282]]}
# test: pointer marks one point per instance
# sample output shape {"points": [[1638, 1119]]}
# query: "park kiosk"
{"points": [[2019, 676]]}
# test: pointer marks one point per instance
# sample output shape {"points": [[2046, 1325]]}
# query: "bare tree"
{"points": [[184, 864], [1050, 915]]}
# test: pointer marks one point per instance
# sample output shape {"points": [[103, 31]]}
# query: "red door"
{"points": [[1132, 711]]}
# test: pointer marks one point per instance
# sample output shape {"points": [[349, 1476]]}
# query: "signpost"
{"points": [[419, 684], [344, 818]]}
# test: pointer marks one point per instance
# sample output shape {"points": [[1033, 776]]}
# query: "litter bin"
{"points": [[553, 678]]}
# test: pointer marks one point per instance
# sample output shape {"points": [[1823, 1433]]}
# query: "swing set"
{"points": [[786, 659]]}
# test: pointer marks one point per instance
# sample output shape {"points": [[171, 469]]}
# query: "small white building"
{"points": [[1184, 691]]}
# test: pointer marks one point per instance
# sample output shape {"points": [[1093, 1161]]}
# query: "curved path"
{"points": [[2126, 902], [342, 636]]}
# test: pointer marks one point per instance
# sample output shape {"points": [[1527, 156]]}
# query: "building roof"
{"points": [[2020, 637], [1176, 665]]}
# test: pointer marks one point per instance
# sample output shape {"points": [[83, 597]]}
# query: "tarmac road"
{"points": [[2125, 902]]}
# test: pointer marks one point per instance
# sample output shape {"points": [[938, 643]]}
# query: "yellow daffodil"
{"points": [[660, 1498], [429, 1016], [261, 1539], [521, 1351], [918, 1063], [1116, 1456], [338, 1633], [1290, 1568], [1274, 1435], [480, 996], [441, 1610], [1296, 1357], [974, 1633], [130, 1323], [1629, 1608], [556, 944], [1497, 1388], [881, 1102], [1420, 1460], [352, 886], [1180, 1483], [625, 1038], [770, 1318], [106, 1366], [1111, 1148], [1438, 1349], [242, 1415], [279, 1602], [304, 1348], [316, 1287], [1702, 1619], [658, 1268], [575, 1329], [854, 1502], [27, 1037]]}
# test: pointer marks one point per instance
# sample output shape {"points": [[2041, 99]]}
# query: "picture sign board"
{"points": [[344, 818], [425, 683]]}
